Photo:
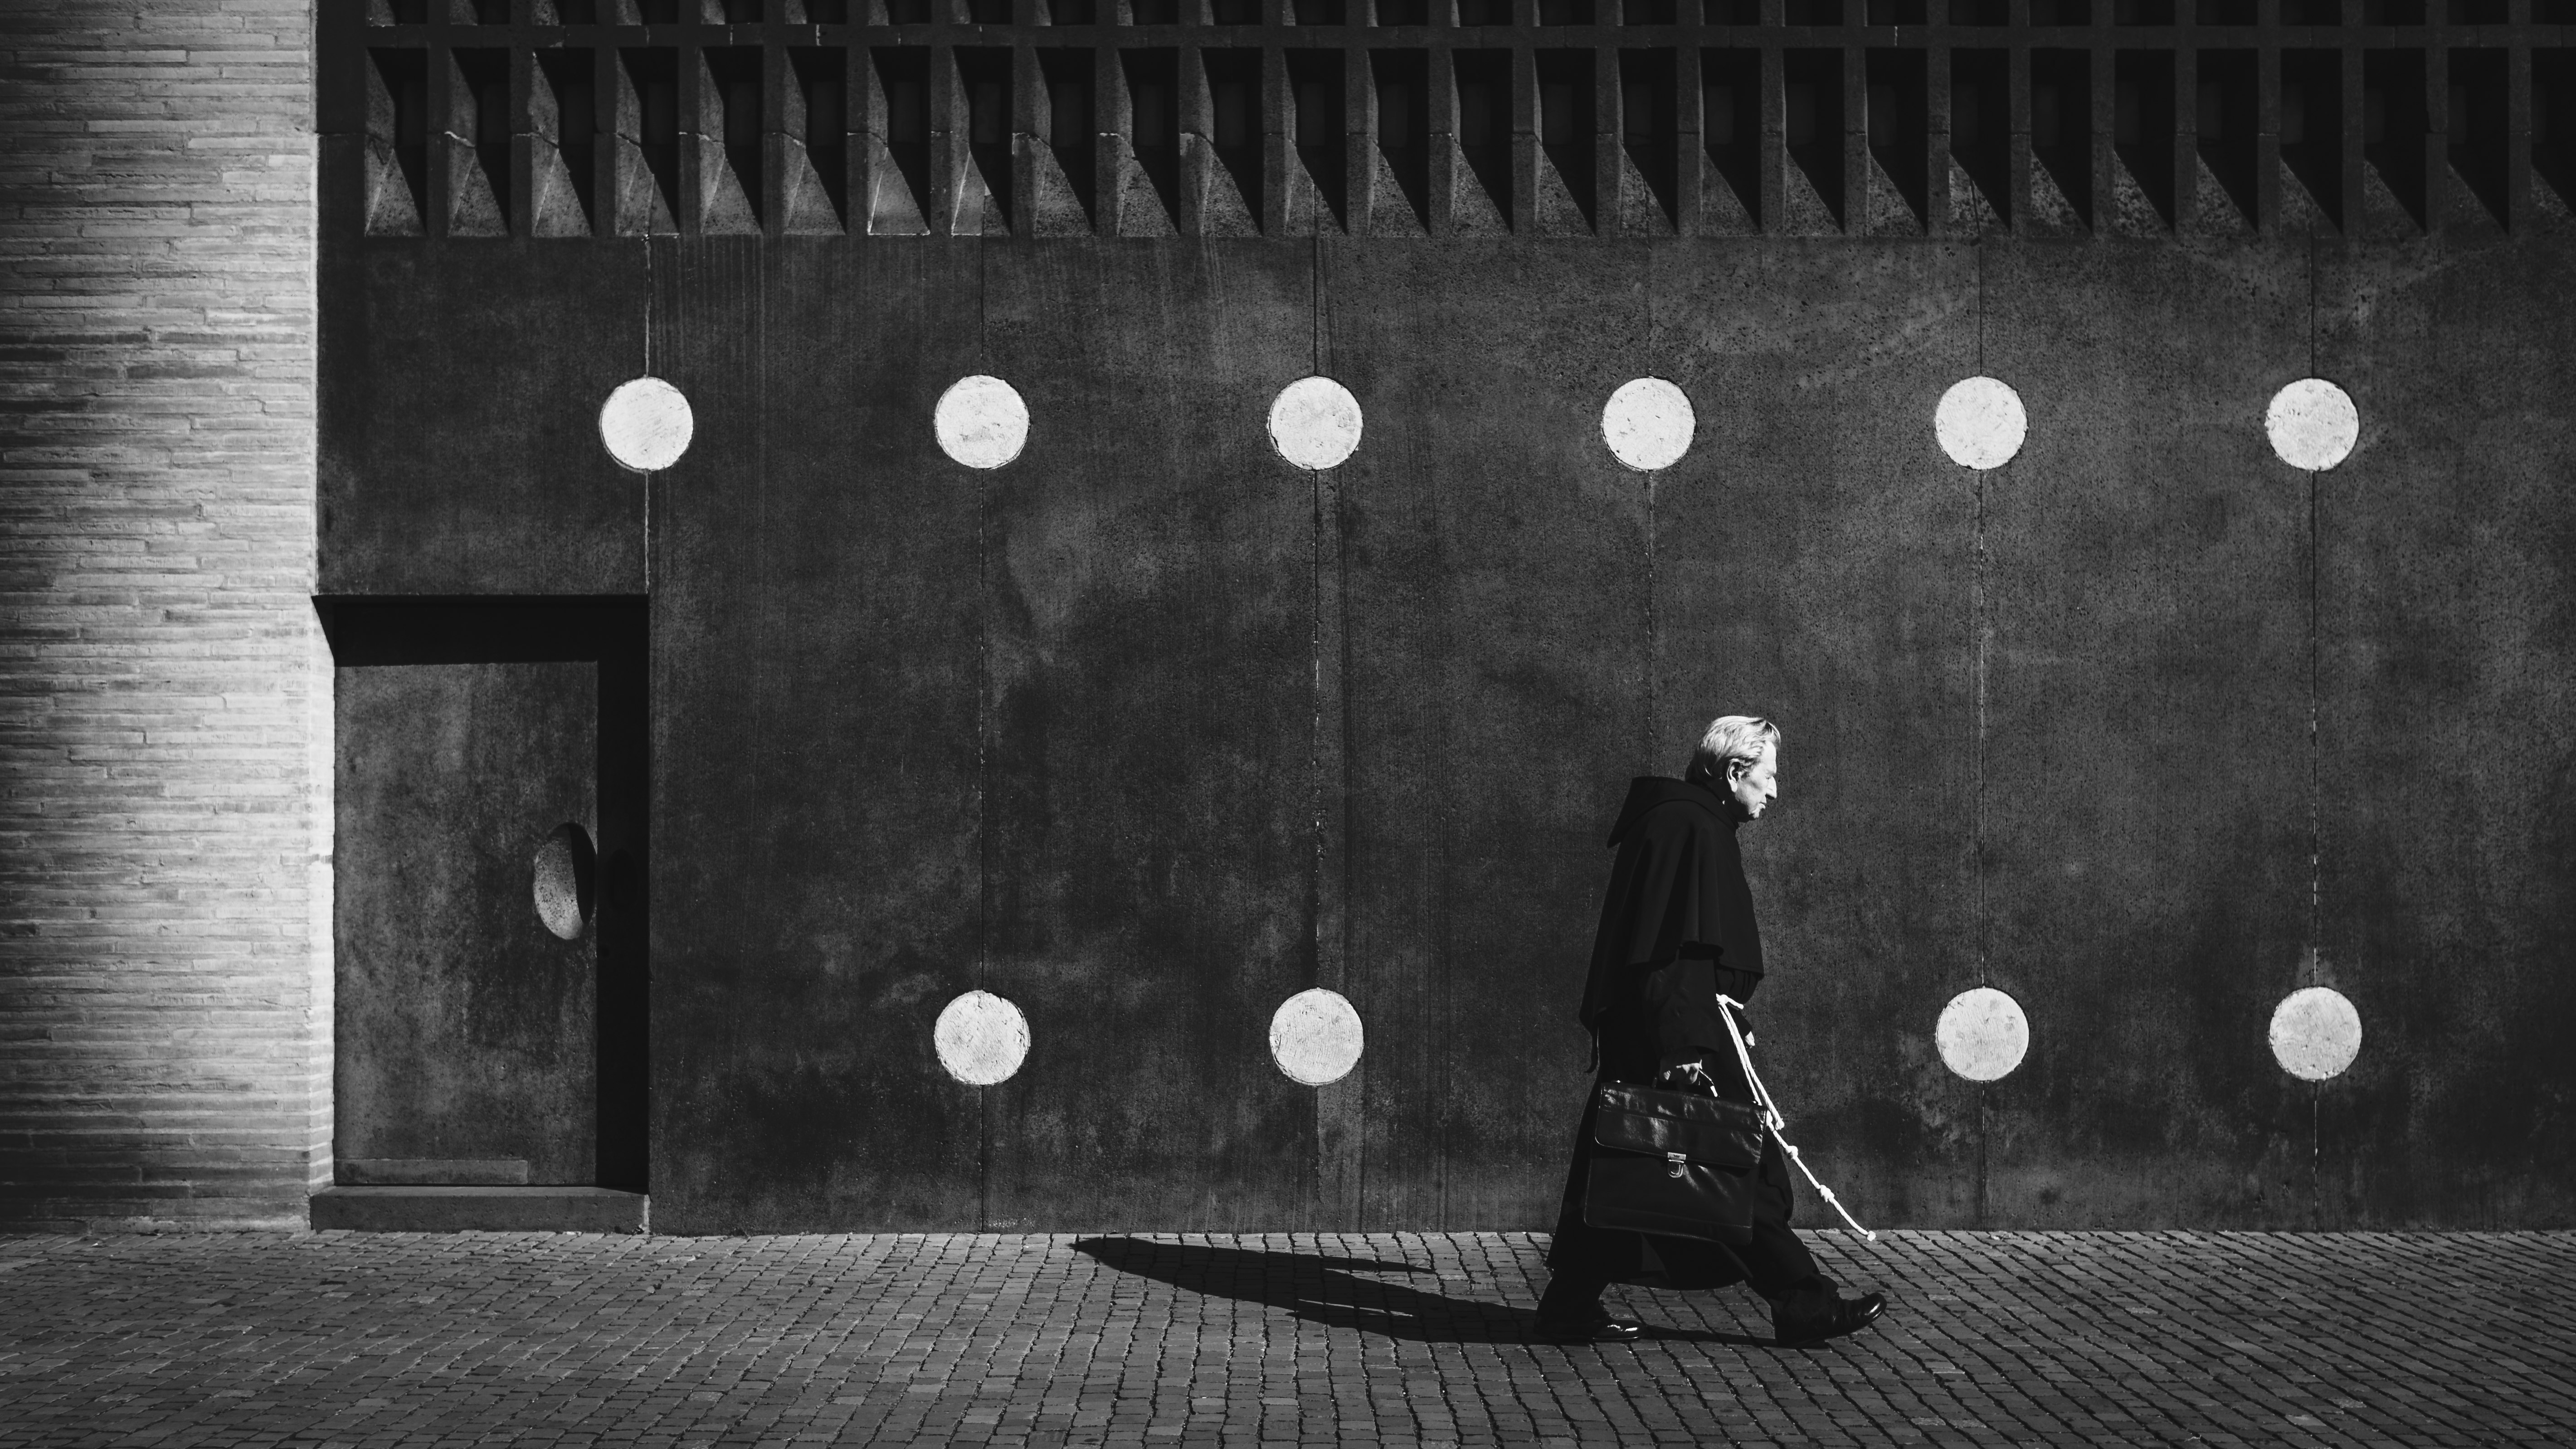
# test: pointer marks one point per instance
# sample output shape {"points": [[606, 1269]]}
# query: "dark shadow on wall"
{"points": [[1332, 1292]]}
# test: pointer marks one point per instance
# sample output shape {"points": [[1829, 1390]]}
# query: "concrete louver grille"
{"points": [[1436, 118]]}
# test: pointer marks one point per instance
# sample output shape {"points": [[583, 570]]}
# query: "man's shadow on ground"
{"points": [[1329, 1291]]}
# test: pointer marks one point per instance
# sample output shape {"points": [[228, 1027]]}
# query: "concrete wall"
{"points": [[1147, 730], [165, 1009]]}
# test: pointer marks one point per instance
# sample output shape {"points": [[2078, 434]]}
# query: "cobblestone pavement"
{"points": [[373, 1340]]}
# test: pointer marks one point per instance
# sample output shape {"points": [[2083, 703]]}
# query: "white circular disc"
{"points": [[1315, 1037], [981, 421], [1648, 424], [1980, 423], [1982, 1034], [2315, 1033], [982, 1039], [646, 425], [1315, 423], [2312, 424]]}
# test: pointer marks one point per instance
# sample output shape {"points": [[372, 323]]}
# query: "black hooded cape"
{"points": [[1676, 929]]}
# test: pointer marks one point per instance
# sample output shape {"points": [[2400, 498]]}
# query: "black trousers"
{"points": [[1584, 1259]]}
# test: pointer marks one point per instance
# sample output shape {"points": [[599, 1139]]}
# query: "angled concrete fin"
{"points": [[1641, 211], [725, 208], [892, 208], [1884, 209], [2213, 211], [1391, 212], [1558, 212], [1971, 211], [1140, 203], [557, 206], [2133, 212], [1222, 208], [1054, 209], [1473, 211], [472, 209], [1722, 209]]}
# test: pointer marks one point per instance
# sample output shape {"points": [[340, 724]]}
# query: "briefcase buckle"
{"points": [[1678, 1163]]}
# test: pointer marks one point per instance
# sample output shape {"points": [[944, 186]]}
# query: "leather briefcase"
{"points": [[1672, 1163]]}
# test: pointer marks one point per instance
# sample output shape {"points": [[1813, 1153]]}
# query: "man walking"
{"points": [[1677, 932]]}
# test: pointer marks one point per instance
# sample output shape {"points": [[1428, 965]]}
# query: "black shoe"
{"points": [[1848, 1315], [1599, 1328]]}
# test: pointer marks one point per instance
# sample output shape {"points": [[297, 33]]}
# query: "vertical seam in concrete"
{"points": [[1340, 1162], [1654, 636], [1654, 639], [1977, 744], [2316, 809], [1340, 578], [1980, 249], [752, 264], [1351, 1201], [1315, 854], [1443, 966], [2317, 825], [1977, 570], [2309, 971], [1315, 725], [648, 372], [1442, 1035], [983, 765]]}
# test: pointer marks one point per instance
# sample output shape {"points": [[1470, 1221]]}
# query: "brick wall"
{"points": [[165, 1009]]}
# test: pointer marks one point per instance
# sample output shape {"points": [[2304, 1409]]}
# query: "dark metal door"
{"points": [[465, 1024]]}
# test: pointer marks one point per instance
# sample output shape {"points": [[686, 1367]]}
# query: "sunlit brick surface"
{"points": [[164, 701], [2112, 1338]]}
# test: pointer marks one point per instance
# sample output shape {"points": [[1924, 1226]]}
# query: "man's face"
{"points": [[1753, 787]]}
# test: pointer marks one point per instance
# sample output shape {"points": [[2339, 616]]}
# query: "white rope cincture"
{"points": [[1774, 1122]]}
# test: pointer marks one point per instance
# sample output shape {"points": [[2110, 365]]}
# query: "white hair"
{"points": [[1730, 737]]}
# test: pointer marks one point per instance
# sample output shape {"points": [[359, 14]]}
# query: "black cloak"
{"points": [[1676, 930]]}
